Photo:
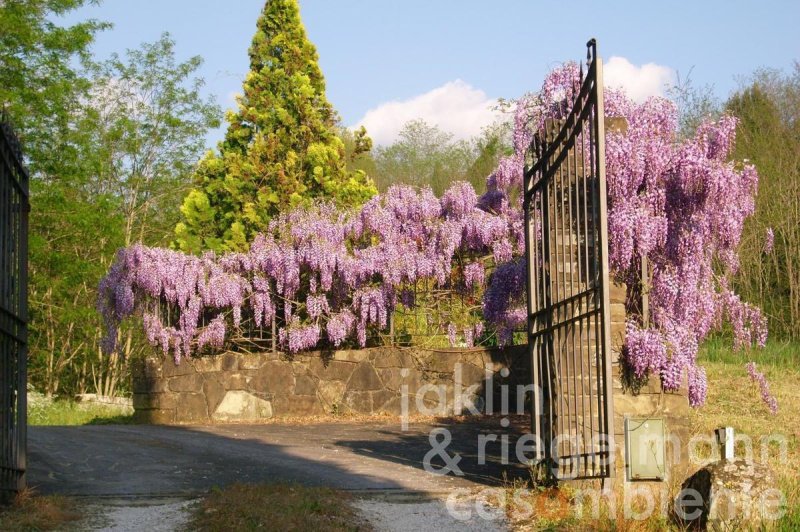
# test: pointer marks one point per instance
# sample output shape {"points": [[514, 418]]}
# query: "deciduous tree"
{"points": [[424, 155], [124, 160], [38, 82], [768, 134]]}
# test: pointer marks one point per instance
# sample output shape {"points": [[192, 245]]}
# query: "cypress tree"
{"points": [[281, 149]]}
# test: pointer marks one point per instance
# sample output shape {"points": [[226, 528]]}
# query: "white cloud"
{"points": [[456, 107], [640, 82]]}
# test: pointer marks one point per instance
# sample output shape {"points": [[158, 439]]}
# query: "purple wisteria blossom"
{"points": [[326, 274], [769, 241], [474, 274], [452, 333], [330, 275], [469, 336], [681, 204], [758, 377]]}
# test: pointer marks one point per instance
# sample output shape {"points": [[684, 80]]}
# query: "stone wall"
{"points": [[248, 387]]}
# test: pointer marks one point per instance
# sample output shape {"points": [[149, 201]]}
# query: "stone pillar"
{"points": [[648, 400]]}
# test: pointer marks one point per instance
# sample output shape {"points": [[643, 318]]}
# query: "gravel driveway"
{"points": [[380, 463]]}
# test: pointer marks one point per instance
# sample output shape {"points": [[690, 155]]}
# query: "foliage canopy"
{"points": [[768, 135]]}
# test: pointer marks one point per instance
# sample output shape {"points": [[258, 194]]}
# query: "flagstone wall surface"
{"points": [[249, 387]]}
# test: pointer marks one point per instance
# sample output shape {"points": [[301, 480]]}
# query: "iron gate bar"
{"points": [[568, 300]]}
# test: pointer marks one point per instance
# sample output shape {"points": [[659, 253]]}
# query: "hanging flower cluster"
{"points": [[763, 386], [327, 274], [330, 275], [769, 241], [680, 204]]}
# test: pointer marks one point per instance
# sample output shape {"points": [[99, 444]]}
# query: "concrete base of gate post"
{"points": [[729, 495]]}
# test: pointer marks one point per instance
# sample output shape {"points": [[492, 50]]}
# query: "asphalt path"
{"points": [[160, 461]]}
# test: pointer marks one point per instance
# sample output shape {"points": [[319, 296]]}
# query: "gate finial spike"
{"points": [[591, 49]]}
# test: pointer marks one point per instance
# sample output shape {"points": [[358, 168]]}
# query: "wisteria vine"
{"points": [[331, 275]]}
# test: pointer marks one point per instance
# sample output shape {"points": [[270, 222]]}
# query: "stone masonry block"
{"points": [[186, 383], [364, 378]]}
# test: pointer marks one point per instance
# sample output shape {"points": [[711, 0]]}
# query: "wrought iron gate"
{"points": [[567, 281], [14, 209]]}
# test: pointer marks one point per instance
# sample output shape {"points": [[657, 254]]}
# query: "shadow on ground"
{"points": [[149, 460], [487, 449]]}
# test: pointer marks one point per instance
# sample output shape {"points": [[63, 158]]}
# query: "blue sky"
{"points": [[447, 60]]}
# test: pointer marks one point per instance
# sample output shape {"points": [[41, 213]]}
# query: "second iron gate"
{"points": [[567, 280], [14, 209]]}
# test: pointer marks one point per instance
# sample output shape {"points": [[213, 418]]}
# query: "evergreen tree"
{"points": [[281, 148]]}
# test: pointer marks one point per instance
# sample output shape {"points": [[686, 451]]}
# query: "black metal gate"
{"points": [[14, 207], [568, 300]]}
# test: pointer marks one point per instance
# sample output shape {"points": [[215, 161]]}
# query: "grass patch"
{"points": [[30, 512], [275, 507], [733, 400], [64, 412], [565, 508], [777, 354]]}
